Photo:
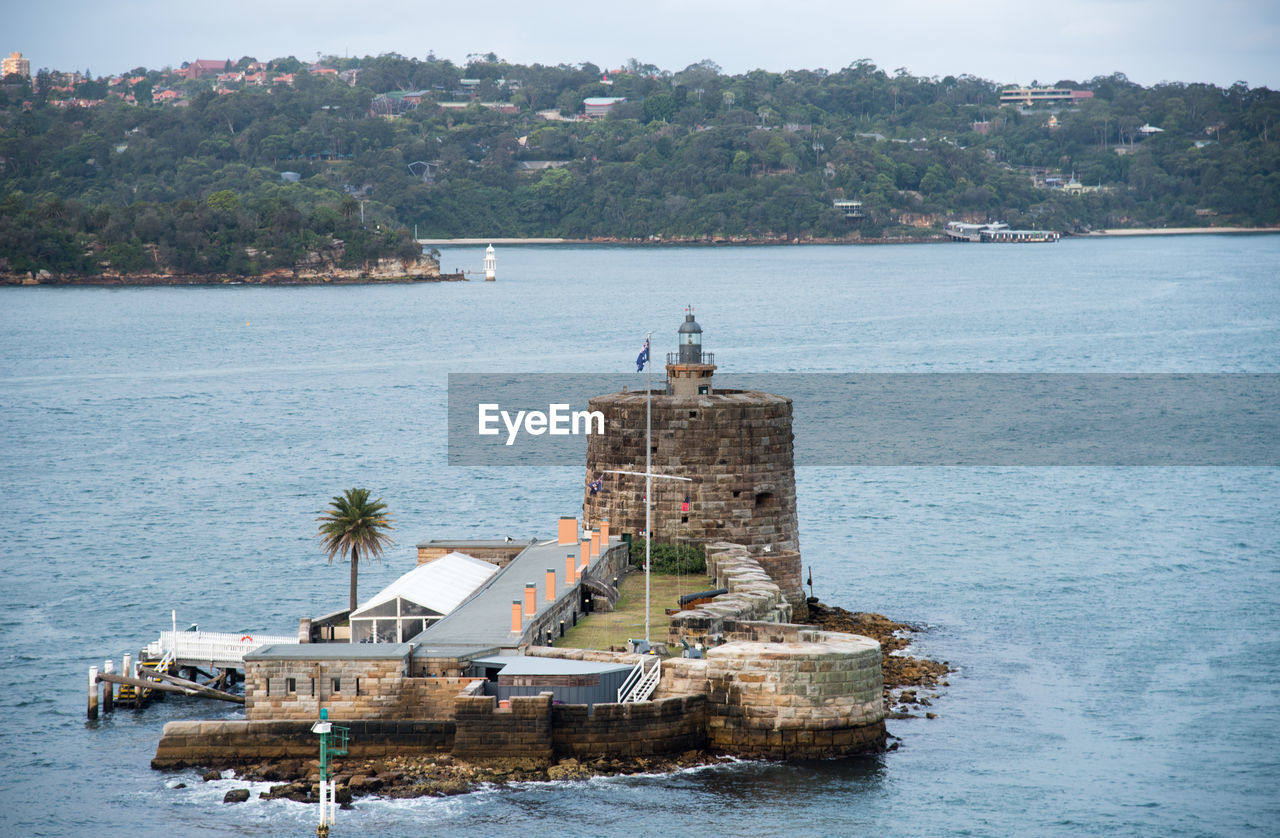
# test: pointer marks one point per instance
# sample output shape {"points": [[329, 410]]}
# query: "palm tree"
{"points": [[357, 525]]}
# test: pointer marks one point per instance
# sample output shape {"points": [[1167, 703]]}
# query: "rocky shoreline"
{"points": [[152, 280], [437, 776]]}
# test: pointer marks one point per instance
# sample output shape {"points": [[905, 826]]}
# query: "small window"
{"points": [[268, 686], [291, 685], [704, 390], [337, 685], [357, 686], [684, 519], [693, 414], [313, 687], [736, 493]]}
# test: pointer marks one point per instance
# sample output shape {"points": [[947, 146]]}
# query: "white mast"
{"points": [[648, 474]]}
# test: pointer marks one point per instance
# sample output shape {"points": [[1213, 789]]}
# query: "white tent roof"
{"points": [[440, 585]]}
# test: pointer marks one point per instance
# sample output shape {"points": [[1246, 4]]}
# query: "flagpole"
{"points": [[648, 475]]}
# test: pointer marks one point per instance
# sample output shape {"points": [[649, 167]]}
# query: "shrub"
{"points": [[671, 559]]}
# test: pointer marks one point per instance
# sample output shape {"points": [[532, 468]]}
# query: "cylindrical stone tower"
{"points": [[735, 445]]}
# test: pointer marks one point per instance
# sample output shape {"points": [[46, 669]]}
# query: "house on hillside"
{"points": [[202, 67], [596, 107]]}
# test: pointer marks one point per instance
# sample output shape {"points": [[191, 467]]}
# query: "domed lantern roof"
{"points": [[690, 340]]}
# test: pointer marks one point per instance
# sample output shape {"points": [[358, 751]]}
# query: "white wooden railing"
{"points": [[210, 647]]}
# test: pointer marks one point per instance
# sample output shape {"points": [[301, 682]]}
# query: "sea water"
{"points": [[1115, 631]]}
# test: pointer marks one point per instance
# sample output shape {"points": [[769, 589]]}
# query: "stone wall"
{"points": [[434, 698], [298, 689], [817, 695], [501, 556], [186, 744], [647, 728], [753, 595], [486, 733], [737, 446], [535, 731], [785, 569]]}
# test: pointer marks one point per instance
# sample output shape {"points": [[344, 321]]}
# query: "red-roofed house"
{"points": [[203, 67]]}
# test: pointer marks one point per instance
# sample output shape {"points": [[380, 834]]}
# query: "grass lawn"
{"points": [[602, 630]]}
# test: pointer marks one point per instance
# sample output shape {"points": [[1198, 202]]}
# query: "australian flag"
{"points": [[642, 358]]}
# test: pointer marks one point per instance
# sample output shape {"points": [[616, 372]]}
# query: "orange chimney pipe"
{"points": [[568, 531], [530, 598], [551, 585]]}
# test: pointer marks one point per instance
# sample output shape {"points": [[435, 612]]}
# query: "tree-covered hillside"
{"points": [[155, 170]]}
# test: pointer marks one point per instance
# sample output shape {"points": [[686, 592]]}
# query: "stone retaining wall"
{"points": [[520, 733], [646, 728], [187, 744], [819, 695]]}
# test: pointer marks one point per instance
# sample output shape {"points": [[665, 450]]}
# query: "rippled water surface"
{"points": [[1116, 631]]}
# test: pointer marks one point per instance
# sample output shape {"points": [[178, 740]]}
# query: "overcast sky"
{"points": [[1219, 41]]}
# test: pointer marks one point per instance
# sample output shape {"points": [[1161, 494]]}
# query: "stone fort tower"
{"points": [[735, 445]]}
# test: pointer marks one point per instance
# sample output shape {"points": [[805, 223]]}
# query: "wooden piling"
{"points": [[126, 670], [108, 688], [93, 692]]}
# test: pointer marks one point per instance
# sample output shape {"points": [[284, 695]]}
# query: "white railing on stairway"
{"points": [[211, 647], [642, 681]]}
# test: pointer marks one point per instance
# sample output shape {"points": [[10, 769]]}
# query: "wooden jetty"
{"points": [[218, 656]]}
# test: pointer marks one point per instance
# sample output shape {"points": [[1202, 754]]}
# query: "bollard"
{"points": [[562, 628], [108, 688], [550, 638], [93, 692]]}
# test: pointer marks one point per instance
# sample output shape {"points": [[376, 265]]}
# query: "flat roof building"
{"points": [[598, 106], [16, 65], [1032, 95]]}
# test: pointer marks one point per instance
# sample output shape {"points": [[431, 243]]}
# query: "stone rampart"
{"points": [[803, 694], [752, 595], [187, 744], [520, 733], [638, 729]]}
